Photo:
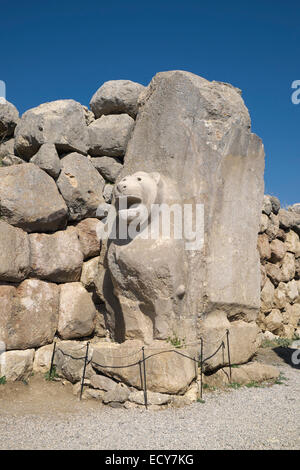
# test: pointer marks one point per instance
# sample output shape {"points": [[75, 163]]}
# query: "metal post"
{"points": [[84, 368], [228, 351], [145, 382], [141, 375], [52, 358], [201, 369], [196, 373]]}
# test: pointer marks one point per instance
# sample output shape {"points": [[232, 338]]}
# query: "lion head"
{"points": [[136, 193]]}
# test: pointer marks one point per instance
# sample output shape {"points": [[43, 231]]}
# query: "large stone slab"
{"points": [[29, 199], [166, 372], [14, 254], [77, 312], [116, 97], [60, 122], [109, 135], [81, 186], [56, 257], [28, 314], [193, 136]]}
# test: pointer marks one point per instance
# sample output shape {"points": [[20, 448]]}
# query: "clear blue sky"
{"points": [[66, 49]]}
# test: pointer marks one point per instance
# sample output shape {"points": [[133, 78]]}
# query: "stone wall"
{"points": [[279, 249], [59, 161]]}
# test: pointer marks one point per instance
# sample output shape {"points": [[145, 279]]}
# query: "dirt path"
{"points": [[46, 415]]}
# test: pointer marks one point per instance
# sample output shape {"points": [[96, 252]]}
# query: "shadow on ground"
{"points": [[289, 355]]}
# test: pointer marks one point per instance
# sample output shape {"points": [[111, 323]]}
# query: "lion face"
{"points": [[136, 193]]}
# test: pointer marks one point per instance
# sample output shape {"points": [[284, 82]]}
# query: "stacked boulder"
{"points": [[58, 162], [279, 249]]}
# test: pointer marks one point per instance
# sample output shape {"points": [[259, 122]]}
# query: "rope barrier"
{"points": [[200, 360]]}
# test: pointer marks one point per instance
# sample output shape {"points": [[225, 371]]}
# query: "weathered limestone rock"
{"points": [[281, 235], [196, 136], [267, 205], [76, 312], [48, 160], [80, 185], [89, 393], [264, 223], [56, 257], [60, 122], [14, 254], [263, 246], [89, 240], [285, 219], [101, 382], [280, 296], [109, 135], [9, 117], [116, 97], [292, 290], [118, 394], [89, 115], [89, 272], [108, 193], [275, 204], [29, 314], [288, 267], [7, 148], [267, 297], [274, 321], [29, 199], [288, 331], [69, 360], [152, 398], [263, 275], [293, 313], [273, 226], [16, 365], [42, 359], [292, 242], [244, 374], [108, 167], [243, 340], [297, 268], [274, 273], [10, 160], [161, 376], [278, 250]]}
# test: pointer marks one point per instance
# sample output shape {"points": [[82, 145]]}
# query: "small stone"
{"points": [[48, 160], [108, 167], [119, 394], [278, 250], [109, 135]]}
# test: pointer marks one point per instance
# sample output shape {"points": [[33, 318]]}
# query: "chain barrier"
{"points": [[199, 361]]}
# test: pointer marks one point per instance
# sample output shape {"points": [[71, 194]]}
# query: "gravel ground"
{"points": [[246, 418]]}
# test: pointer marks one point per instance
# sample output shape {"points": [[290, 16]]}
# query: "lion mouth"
{"points": [[127, 202]]}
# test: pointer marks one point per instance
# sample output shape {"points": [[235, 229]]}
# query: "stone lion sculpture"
{"points": [[148, 274]]}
